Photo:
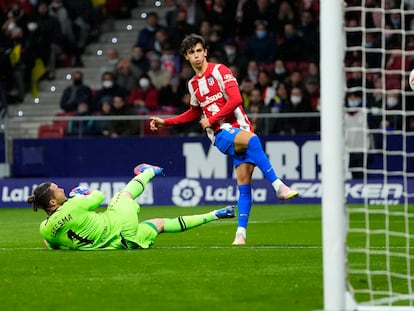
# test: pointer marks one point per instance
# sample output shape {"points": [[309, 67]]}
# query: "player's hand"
{"points": [[79, 191], [156, 123], [205, 123]]}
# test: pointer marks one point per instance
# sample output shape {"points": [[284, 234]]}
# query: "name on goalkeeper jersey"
{"points": [[60, 223]]}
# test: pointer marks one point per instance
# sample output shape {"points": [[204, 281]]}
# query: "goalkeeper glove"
{"points": [[79, 191]]}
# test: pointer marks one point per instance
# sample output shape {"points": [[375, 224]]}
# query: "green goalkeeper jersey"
{"points": [[75, 225]]}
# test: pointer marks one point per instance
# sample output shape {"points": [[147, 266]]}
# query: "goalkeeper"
{"points": [[72, 223]]}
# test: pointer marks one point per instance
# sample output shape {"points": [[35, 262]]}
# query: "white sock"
{"points": [[276, 184], [241, 231]]}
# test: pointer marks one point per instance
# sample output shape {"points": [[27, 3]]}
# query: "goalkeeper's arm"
{"points": [[89, 200]]}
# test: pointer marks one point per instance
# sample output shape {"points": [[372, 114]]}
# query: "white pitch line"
{"points": [[210, 247], [195, 247], [241, 246]]}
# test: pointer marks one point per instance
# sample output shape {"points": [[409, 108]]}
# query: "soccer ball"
{"points": [[411, 80]]}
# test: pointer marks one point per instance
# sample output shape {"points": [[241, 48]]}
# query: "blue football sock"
{"points": [[256, 152], [244, 204]]}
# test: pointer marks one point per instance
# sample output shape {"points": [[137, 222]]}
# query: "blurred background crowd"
{"points": [[271, 46]]}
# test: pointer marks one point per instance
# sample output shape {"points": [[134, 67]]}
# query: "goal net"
{"points": [[379, 149]]}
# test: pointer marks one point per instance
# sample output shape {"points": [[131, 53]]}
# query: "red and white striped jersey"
{"points": [[217, 93]]}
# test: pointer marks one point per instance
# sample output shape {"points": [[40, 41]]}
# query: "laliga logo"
{"points": [[187, 192]]}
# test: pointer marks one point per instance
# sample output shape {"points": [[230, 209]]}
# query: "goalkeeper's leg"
{"points": [[145, 172], [183, 223], [148, 230]]}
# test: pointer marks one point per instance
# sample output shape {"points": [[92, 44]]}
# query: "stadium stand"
{"points": [[120, 31], [115, 31]]}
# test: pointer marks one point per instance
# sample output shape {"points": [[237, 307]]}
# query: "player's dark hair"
{"points": [[190, 41], [41, 196]]}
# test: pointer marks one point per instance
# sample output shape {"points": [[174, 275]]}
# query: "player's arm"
{"points": [[87, 200], [52, 245], [193, 113], [235, 100], [95, 199]]}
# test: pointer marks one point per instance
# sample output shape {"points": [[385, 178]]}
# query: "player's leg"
{"points": [[124, 207], [183, 223], [244, 173], [144, 174], [149, 229], [251, 145]]}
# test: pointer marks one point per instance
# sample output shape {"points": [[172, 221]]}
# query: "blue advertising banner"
{"points": [[187, 192], [294, 157]]}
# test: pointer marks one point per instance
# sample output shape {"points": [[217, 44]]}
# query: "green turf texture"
{"points": [[279, 269]]}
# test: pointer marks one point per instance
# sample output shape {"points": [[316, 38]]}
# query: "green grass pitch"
{"points": [[279, 269]]}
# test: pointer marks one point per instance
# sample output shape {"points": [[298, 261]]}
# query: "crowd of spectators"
{"points": [[272, 48], [37, 36], [379, 72]]}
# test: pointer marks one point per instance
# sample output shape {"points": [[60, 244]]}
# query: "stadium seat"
{"points": [[63, 123], [50, 131]]}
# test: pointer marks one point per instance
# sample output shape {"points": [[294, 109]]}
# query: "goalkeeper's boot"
{"points": [[226, 212], [158, 171], [240, 239], [285, 193]]}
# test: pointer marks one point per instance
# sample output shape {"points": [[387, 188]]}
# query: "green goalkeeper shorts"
{"points": [[144, 238], [146, 235], [134, 235]]}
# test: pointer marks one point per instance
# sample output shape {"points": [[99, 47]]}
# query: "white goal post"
{"points": [[332, 150], [368, 246]]}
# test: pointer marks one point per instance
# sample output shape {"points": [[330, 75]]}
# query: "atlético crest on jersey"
{"points": [[210, 81]]}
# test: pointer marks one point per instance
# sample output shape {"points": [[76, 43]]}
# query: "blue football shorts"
{"points": [[224, 141]]}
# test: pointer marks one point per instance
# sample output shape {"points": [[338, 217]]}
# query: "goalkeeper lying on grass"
{"points": [[72, 223]]}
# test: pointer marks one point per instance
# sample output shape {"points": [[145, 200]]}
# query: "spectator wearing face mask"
{"points": [[233, 57], [279, 71], [76, 94], [295, 103], [109, 89], [261, 46], [357, 139], [252, 71], [144, 98]]}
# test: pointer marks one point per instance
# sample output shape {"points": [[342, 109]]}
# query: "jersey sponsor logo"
{"points": [[228, 77], [212, 99]]}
